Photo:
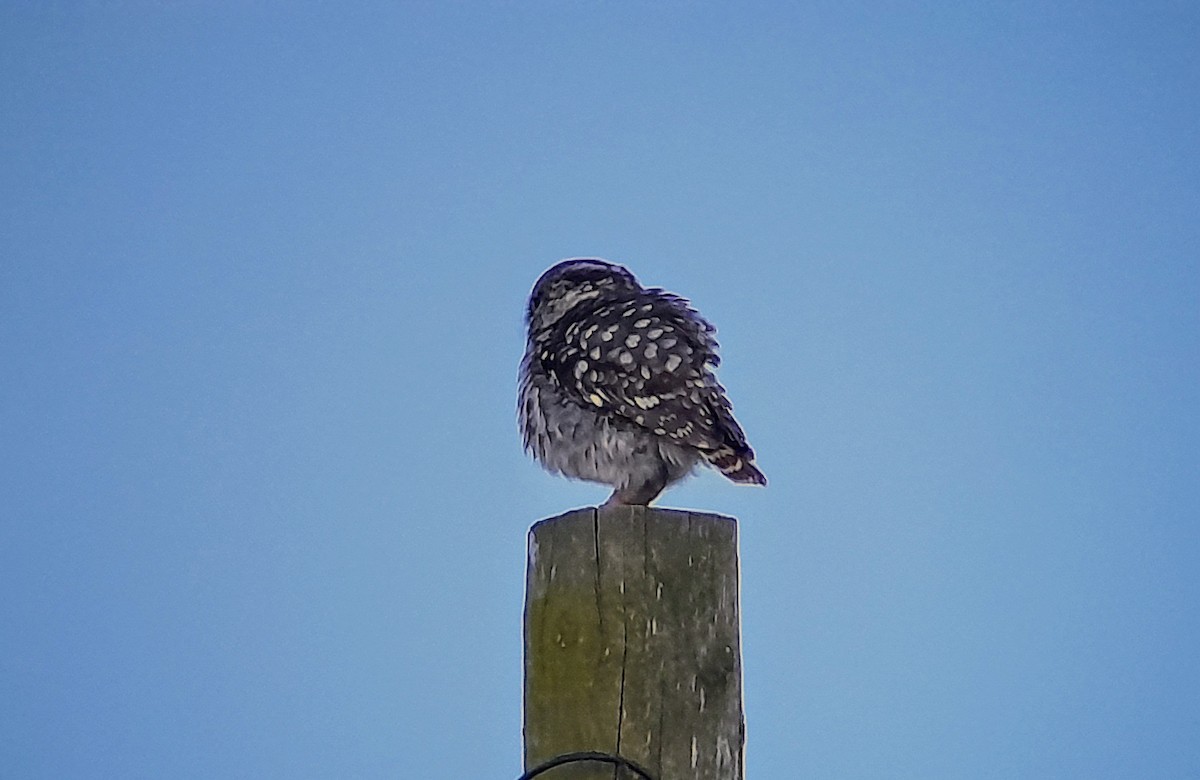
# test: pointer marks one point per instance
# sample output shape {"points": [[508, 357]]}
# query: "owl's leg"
{"points": [[639, 493]]}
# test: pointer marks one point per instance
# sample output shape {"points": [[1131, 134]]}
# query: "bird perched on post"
{"points": [[617, 385]]}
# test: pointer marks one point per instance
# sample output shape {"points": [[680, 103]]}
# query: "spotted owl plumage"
{"points": [[617, 385]]}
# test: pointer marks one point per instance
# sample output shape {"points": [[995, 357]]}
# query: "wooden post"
{"points": [[633, 643]]}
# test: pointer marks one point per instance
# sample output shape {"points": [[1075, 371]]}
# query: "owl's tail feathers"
{"points": [[737, 466]]}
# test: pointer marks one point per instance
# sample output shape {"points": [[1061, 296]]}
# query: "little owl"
{"points": [[617, 385]]}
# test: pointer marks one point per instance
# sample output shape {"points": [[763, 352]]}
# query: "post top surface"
{"points": [[618, 513]]}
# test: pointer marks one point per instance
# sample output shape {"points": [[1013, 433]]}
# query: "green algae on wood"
{"points": [[632, 642]]}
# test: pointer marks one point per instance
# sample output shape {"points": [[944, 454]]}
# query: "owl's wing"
{"points": [[649, 360]]}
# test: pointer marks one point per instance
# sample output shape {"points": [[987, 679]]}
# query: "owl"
{"points": [[617, 385]]}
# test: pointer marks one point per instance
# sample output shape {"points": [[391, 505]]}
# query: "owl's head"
{"points": [[572, 282]]}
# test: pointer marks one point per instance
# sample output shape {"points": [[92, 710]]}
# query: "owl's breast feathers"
{"points": [[646, 360]]}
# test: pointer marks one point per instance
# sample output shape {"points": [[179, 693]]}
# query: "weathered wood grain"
{"points": [[632, 643]]}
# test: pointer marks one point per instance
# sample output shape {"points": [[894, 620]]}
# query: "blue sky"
{"points": [[262, 270]]}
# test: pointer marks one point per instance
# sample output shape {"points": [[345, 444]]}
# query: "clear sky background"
{"points": [[262, 271]]}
